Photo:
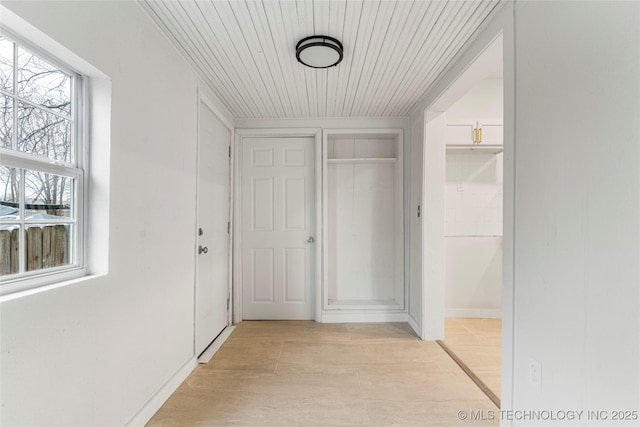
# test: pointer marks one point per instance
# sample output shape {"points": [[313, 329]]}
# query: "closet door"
{"points": [[278, 228]]}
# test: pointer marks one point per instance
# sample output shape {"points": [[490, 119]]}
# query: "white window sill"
{"points": [[21, 288]]}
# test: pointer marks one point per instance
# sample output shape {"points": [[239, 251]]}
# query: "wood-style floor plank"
{"points": [[310, 374], [477, 344]]}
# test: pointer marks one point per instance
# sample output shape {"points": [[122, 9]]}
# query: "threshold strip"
{"points": [[481, 385]]}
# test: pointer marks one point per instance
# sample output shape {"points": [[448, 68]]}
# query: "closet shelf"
{"points": [[495, 149], [371, 160]]}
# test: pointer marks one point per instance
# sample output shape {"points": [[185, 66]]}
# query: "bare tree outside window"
{"points": [[37, 112], [6, 85]]}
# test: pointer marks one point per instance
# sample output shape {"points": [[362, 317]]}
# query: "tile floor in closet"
{"points": [[293, 373]]}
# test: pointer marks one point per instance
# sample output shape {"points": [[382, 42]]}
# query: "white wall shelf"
{"points": [[495, 149], [372, 160]]}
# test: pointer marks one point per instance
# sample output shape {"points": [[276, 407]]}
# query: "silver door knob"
{"points": [[310, 239], [202, 250]]}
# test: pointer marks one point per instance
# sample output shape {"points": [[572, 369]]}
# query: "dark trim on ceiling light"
{"points": [[324, 41]]}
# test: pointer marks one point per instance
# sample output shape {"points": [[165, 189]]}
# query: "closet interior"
{"points": [[363, 226]]}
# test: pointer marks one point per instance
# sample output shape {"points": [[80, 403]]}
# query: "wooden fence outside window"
{"points": [[45, 247]]}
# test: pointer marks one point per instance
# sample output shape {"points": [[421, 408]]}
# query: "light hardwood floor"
{"points": [[305, 373], [477, 342]]}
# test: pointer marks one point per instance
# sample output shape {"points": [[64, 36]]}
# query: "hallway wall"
{"points": [[577, 205], [95, 351], [572, 176]]}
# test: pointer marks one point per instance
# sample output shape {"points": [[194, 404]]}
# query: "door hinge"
{"points": [[229, 151], [227, 304], [228, 227]]}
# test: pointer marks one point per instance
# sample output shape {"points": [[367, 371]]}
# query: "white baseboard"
{"points": [[414, 325], [157, 400], [476, 313], [215, 345], [362, 317]]}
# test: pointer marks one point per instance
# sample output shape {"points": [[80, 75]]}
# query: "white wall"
{"points": [[94, 352], [577, 211], [572, 176], [473, 187], [483, 101], [473, 276]]}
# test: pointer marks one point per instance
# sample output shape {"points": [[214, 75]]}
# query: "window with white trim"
{"points": [[41, 168]]}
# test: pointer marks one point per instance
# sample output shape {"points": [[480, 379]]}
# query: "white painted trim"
{"points": [[433, 220], [325, 123], [509, 211], [276, 132], [400, 225], [363, 317], [338, 132], [237, 233], [232, 166], [213, 348], [315, 133], [162, 395], [414, 325], [204, 97], [320, 235], [324, 248], [473, 313]]}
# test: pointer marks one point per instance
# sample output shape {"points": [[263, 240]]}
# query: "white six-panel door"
{"points": [[278, 228], [212, 273]]}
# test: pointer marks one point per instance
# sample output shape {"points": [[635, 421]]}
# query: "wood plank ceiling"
{"points": [[394, 51]]}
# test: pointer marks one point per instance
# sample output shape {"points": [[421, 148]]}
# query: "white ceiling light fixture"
{"points": [[319, 51]]}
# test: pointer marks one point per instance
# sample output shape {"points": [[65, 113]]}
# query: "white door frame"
{"points": [[204, 99], [316, 133], [433, 309]]}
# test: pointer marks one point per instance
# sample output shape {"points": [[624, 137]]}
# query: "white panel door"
{"points": [[278, 226], [212, 281]]}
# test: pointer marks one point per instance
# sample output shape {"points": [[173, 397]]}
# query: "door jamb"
{"points": [[240, 134]]}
